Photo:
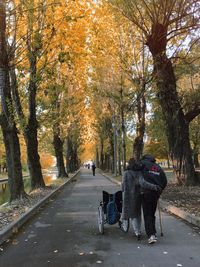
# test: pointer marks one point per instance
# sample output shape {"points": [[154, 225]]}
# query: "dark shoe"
{"points": [[138, 237]]}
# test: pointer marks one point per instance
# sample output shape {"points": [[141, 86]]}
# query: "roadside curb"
{"points": [[14, 226], [180, 213], [186, 216], [111, 179]]}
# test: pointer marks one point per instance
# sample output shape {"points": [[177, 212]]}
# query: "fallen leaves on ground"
{"points": [[184, 197]]}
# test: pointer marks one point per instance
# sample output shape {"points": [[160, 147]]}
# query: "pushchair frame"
{"points": [[102, 211]]}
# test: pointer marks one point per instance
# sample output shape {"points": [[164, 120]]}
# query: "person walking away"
{"points": [[154, 174], [93, 169], [132, 182]]}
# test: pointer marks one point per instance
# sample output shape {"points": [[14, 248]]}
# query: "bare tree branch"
{"points": [[189, 116]]}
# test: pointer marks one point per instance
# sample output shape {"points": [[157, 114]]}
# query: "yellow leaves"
{"points": [[89, 151], [47, 160]]}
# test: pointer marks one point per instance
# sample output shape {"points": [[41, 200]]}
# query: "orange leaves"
{"points": [[47, 161]]}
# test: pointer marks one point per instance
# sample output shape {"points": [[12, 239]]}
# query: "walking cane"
{"points": [[159, 212]]}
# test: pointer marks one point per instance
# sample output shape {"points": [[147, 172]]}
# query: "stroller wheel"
{"points": [[124, 225], [101, 219]]}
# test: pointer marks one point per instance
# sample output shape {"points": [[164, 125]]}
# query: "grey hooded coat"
{"points": [[131, 184]]}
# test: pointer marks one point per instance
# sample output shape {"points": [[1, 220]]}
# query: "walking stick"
{"points": [[160, 219]]}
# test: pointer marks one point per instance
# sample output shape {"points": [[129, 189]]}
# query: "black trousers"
{"points": [[149, 205], [93, 171]]}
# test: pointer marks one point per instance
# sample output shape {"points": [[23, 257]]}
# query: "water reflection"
{"points": [[4, 191]]}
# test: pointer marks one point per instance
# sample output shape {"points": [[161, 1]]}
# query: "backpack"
{"points": [[112, 212], [154, 174]]}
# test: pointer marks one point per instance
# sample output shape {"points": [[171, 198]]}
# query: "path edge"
{"points": [[186, 216], [14, 226]]}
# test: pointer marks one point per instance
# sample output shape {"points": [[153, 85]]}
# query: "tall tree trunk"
{"points": [[11, 140], [97, 157], [177, 126], [107, 162], [119, 151], [34, 165], [115, 146], [111, 153], [123, 128], [123, 142], [69, 155], [13, 159], [119, 158], [72, 156], [196, 159], [30, 132], [76, 160], [138, 144], [58, 148], [168, 161], [101, 153]]}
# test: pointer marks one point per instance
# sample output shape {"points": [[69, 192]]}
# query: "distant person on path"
{"points": [[153, 174], [93, 169], [132, 183]]}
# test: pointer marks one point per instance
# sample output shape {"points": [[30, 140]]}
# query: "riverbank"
{"points": [[49, 176]]}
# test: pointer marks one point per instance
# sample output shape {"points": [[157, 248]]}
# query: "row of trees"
{"points": [[108, 73], [39, 85], [155, 63]]}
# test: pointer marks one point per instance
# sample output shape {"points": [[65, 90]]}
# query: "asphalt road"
{"points": [[64, 233]]}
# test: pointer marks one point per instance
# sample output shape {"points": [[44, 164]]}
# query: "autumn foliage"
{"points": [[85, 82]]}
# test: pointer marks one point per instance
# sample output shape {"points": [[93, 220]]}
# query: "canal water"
{"points": [[4, 190]]}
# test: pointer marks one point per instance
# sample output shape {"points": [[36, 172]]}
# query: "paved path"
{"points": [[65, 234]]}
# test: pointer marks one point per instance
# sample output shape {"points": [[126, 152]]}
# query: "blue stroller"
{"points": [[108, 215]]}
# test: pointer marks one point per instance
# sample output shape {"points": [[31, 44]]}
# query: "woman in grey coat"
{"points": [[132, 183]]}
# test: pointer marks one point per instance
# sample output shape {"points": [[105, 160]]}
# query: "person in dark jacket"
{"points": [[153, 174], [93, 168], [132, 183]]}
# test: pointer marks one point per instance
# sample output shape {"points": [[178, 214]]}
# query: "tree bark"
{"points": [[30, 131], [177, 126], [72, 156], [196, 159], [123, 128], [58, 148], [119, 148], [69, 155], [97, 157], [138, 144], [13, 160], [34, 165], [101, 153], [123, 142], [10, 137]]}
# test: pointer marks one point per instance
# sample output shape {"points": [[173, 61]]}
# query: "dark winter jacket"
{"points": [[152, 172]]}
